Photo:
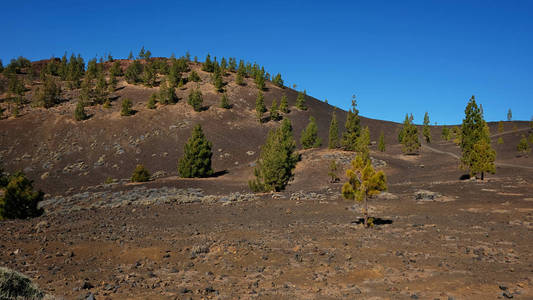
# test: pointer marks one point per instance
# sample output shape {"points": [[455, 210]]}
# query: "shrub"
{"points": [[20, 201], [381, 144], [284, 105], [260, 107], [333, 172], [224, 102], [140, 174], [193, 76], [48, 94], [300, 101], [167, 93], [14, 285], [523, 146], [79, 113], [196, 160], [126, 107], [152, 101], [196, 99]]}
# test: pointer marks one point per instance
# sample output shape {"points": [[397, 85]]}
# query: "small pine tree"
{"points": [[239, 79], [509, 115], [309, 138], [133, 72], [500, 141], [224, 103], [381, 144], [361, 144], [523, 146], [126, 108], [167, 94], [284, 105], [193, 76], [277, 160], [196, 160], [19, 200], [152, 101], [115, 69], [482, 158], [333, 141], [260, 82], [409, 137], [196, 99], [300, 101], [149, 75], [260, 107], [363, 183], [140, 174], [445, 133], [426, 132], [274, 112], [333, 172], [353, 127], [107, 104], [277, 80], [79, 113], [48, 95], [217, 80]]}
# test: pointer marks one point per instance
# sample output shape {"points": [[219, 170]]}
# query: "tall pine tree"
{"points": [[333, 142], [353, 128], [426, 132], [309, 137], [197, 154]]}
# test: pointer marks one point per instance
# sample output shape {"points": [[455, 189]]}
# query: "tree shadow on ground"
{"points": [[219, 173], [375, 221], [464, 177]]}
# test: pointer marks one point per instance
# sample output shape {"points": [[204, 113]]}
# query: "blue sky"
{"points": [[396, 56]]}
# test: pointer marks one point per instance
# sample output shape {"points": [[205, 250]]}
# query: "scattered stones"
{"points": [[75, 167], [424, 195], [250, 153]]}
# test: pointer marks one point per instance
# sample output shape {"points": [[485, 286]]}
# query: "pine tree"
{"points": [[277, 160], [193, 76], [196, 99], [363, 183], [425, 129], [140, 174], [409, 137], [500, 141], [130, 56], [126, 108], [309, 138], [149, 75], [381, 144], [523, 146], [224, 103], [152, 101], [239, 79], [19, 200], [217, 80], [48, 95], [115, 69], [284, 105], [112, 85], [445, 133], [133, 72], [260, 107], [478, 155], [101, 91], [274, 112], [509, 115], [167, 94], [208, 65], [196, 160], [79, 113], [333, 142], [332, 173], [300, 101], [353, 127], [361, 144], [277, 80], [260, 82]]}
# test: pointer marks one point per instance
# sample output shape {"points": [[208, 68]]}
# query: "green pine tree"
{"points": [[284, 105], [445, 133], [140, 174], [309, 138], [300, 101], [260, 107], [126, 108], [79, 113], [353, 127], [362, 142], [409, 137], [224, 103], [260, 82], [363, 183], [277, 80], [167, 93], [19, 200], [196, 99], [152, 101], [475, 136], [196, 160], [149, 75], [523, 146], [274, 112], [426, 132], [193, 76], [333, 142], [239, 79], [500, 141], [277, 160], [381, 144], [133, 72]]}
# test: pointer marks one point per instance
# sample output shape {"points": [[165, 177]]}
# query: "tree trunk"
{"points": [[482, 175], [365, 213]]}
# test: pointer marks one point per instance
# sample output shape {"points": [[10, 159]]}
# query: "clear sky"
{"points": [[395, 56]]}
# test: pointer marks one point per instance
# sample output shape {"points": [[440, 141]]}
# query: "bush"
{"points": [[193, 76], [140, 174], [196, 99], [14, 285], [523, 146], [79, 113], [152, 101], [126, 107], [20, 201], [224, 103]]}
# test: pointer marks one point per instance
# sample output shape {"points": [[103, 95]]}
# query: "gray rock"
{"points": [[424, 195]]}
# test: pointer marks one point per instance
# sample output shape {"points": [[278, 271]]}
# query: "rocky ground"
{"points": [[433, 239]]}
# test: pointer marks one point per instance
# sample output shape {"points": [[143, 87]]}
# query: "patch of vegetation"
{"points": [[353, 127], [20, 201], [224, 103], [309, 138], [284, 105], [408, 136], [523, 146], [126, 108], [196, 160], [300, 101], [14, 285], [140, 174], [196, 99], [332, 173], [274, 111], [79, 112], [260, 107], [426, 132], [381, 144], [277, 160]]}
